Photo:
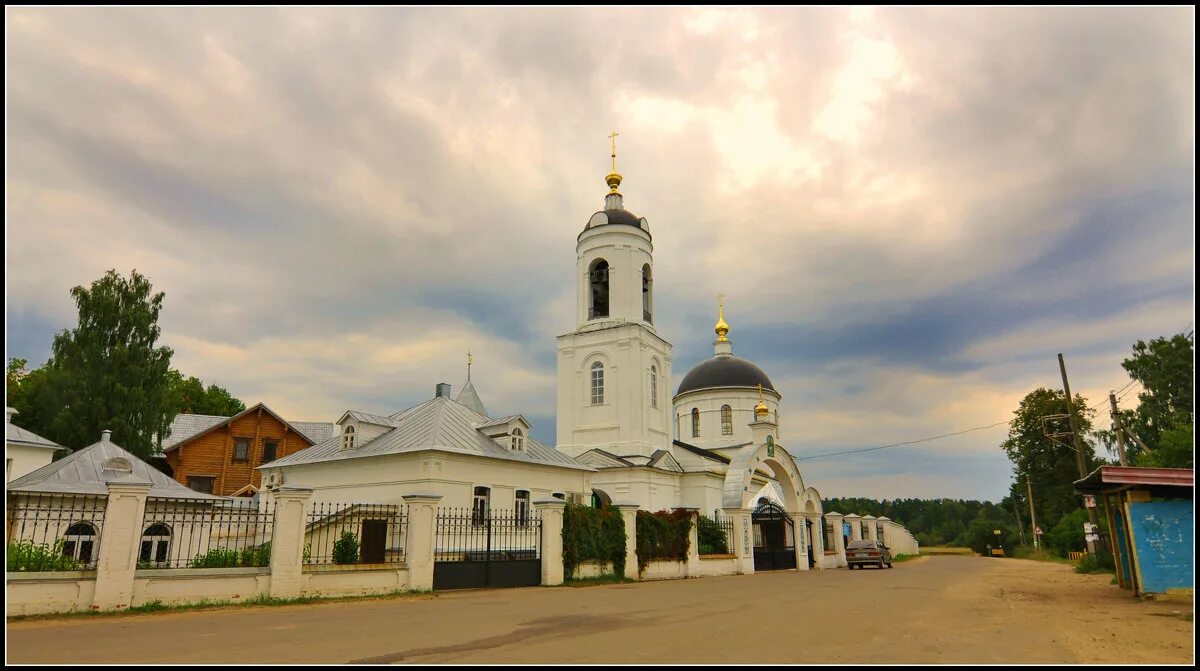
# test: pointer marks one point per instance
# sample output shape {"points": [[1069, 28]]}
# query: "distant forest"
{"points": [[933, 521]]}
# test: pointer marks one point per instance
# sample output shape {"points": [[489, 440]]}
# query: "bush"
{"points": [[257, 556], [345, 549], [711, 537], [592, 534], [216, 558], [25, 556], [663, 535], [1092, 563]]}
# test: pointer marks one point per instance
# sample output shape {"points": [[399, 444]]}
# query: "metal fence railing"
{"points": [[465, 534], [54, 532], [190, 533], [714, 534], [355, 534]]}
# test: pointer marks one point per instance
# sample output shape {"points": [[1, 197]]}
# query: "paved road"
{"points": [[936, 609]]}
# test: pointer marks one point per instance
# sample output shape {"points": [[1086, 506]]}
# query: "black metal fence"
{"points": [[715, 534], [54, 532], [355, 534], [187, 533], [464, 534]]}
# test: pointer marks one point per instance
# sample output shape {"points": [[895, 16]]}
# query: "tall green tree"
{"points": [[1165, 415], [1048, 463], [188, 394], [108, 372], [25, 392]]}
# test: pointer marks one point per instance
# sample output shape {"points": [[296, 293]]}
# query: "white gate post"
{"points": [[742, 542], [419, 539], [629, 516], [119, 538], [287, 542], [551, 512], [800, 539]]}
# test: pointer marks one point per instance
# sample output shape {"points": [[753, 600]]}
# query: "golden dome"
{"points": [[760, 409], [721, 327]]}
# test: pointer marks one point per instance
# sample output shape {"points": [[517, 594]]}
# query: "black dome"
{"points": [[623, 217], [724, 371]]}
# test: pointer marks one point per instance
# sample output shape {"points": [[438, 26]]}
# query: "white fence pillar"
{"points": [[629, 516], [834, 520], [119, 541], [855, 527], [287, 542], [692, 567], [551, 511], [800, 540], [818, 539], [742, 542], [419, 539], [871, 531]]}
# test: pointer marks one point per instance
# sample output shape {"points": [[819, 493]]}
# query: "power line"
{"points": [[907, 442]]}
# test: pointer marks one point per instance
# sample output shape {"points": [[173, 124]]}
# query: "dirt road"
{"points": [[932, 610]]}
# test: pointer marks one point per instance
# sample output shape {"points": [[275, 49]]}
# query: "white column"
{"points": [[119, 539], [693, 554], [855, 527], [419, 539], [834, 520], [551, 512], [800, 539], [287, 542], [629, 516], [818, 540], [742, 542], [872, 531]]}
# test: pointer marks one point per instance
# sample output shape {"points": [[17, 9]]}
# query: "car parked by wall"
{"points": [[868, 553]]}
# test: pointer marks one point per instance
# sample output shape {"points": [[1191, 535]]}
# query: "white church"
{"points": [[714, 445]]}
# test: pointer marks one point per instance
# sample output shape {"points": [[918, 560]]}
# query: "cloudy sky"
{"points": [[911, 211]]}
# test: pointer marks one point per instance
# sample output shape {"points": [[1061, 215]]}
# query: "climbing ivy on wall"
{"points": [[592, 534], [665, 534]]}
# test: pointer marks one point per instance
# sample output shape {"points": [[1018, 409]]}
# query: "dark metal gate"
{"points": [[486, 548], [808, 527], [774, 538]]}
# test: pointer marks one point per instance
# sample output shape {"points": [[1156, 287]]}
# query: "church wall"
{"points": [[709, 402], [650, 488]]}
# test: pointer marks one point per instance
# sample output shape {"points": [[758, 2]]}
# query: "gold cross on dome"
{"points": [[613, 137]]}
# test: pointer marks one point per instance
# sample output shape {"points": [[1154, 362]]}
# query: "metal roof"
{"points": [[19, 436], [470, 398], [367, 418], [84, 472], [440, 424], [187, 425], [1121, 477]]}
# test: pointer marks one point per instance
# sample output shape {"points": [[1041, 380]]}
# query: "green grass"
{"points": [[946, 550], [897, 559], [1040, 555], [261, 600], [606, 579]]}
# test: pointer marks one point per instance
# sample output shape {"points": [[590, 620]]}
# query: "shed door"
{"points": [[374, 535]]}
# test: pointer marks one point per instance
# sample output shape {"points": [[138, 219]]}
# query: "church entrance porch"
{"points": [[774, 538]]}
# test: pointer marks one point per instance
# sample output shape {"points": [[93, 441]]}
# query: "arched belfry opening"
{"points": [[647, 294], [598, 289]]}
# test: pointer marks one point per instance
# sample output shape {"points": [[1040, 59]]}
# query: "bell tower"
{"points": [[614, 371]]}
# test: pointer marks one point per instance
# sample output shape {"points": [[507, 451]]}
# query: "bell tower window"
{"points": [[647, 294], [598, 290], [726, 420], [695, 422]]}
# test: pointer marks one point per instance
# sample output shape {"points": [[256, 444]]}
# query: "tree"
{"points": [[191, 396], [107, 372], [1048, 463], [25, 392], [1165, 368]]}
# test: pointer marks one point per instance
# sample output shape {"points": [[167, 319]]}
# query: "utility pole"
{"points": [[1032, 516], [1116, 418], [1020, 524], [1062, 366]]}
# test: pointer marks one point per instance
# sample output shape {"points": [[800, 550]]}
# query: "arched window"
{"points": [[597, 383], [79, 542], [726, 420], [156, 544], [518, 439], [521, 508], [695, 422], [348, 438], [653, 386], [598, 289], [647, 293]]}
